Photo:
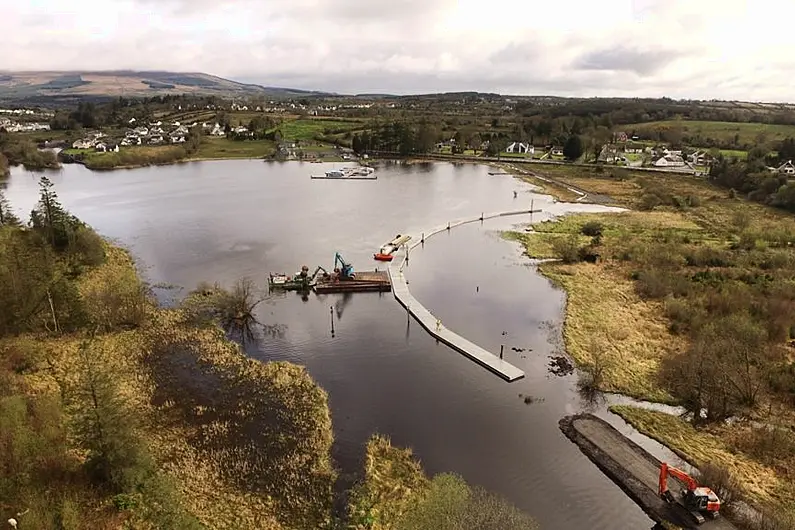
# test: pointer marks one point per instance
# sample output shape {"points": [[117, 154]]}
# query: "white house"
{"points": [[83, 144], [520, 147], [101, 147], [669, 161], [217, 130], [154, 140], [786, 168]]}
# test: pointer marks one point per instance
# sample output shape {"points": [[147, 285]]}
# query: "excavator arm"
{"points": [[666, 470]]}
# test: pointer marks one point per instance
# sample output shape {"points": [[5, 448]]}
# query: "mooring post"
{"points": [[407, 252], [481, 217], [448, 225], [501, 347], [331, 311], [423, 238]]}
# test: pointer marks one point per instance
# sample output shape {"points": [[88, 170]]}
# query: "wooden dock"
{"points": [[428, 321]]}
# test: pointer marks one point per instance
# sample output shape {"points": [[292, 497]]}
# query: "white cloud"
{"points": [[679, 48]]}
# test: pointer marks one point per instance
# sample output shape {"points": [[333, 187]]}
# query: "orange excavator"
{"points": [[697, 499]]}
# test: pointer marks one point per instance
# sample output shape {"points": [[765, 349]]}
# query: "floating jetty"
{"points": [[632, 468], [349, 173], [432, 324]]}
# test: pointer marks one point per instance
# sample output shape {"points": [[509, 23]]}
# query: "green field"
{"points": [[224, 148], [749, 133], [307, 129]]}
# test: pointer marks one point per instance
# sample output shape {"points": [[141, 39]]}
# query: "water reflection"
{"points": [[221, 221]]}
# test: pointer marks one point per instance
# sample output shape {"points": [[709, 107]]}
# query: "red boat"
{"points": [[382, 257]]}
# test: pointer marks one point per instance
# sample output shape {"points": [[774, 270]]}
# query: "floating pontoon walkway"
{"points": [[431, 324]]}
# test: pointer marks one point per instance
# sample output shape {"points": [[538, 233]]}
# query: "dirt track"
{"points": [[631, 467]]}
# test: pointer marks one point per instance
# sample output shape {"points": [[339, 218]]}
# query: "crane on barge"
{"points": [[345, 269]]}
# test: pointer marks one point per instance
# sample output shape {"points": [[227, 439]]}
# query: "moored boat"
{"points": [[382, 257]]}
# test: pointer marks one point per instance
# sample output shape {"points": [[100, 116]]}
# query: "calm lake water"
{"points": [[220, 221]]}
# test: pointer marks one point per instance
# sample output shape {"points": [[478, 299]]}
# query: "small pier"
{"points": [[362, 177], [431, 324]]}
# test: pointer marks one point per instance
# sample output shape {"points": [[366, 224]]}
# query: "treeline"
{"points": [[752, 178], [610, 112], [18, 150]]}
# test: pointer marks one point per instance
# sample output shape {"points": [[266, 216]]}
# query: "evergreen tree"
{"points": [[50, 218], [573, 148], [103, 427], [7, 217]]}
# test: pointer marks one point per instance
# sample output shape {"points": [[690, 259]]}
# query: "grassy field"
{"points": [[307, 129], [225, 148], [724, 131], [607, 323], [721, 445], [633, 314]]}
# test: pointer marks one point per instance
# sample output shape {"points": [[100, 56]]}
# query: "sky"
{"points": [[699, 49]]}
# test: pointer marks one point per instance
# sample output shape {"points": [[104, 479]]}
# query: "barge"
{"points": [[341, 280]]}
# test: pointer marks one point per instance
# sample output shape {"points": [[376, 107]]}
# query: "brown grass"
{"points": [[761, 483]]}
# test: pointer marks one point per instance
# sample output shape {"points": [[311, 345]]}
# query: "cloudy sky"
{"points": [[726, 49]]}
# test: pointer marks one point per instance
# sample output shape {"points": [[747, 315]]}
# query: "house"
{"points": [[83, 144], [141, 131], [608, 154], [669, 161], [699, 158], [633, 148], [177, 138], [112, 148], [621, 137], [520, 147], [156, 139], [217, 130], [786, 168], [101, 147], [132, 120], [180, 130]]}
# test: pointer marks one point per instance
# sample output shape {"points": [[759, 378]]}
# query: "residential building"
{"points": [[787, 168], [669, 161], [520, 147], [83, 144]]}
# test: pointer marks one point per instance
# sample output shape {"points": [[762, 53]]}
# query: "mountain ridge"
{"points": [[64, 85]]}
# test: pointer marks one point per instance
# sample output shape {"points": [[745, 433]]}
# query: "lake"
{"points": [[220, 221]]}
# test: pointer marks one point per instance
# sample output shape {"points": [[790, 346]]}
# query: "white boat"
{"points": [[389, 248], [335, 173]]}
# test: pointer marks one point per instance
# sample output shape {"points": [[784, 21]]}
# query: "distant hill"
{"points": [[42, 87]]}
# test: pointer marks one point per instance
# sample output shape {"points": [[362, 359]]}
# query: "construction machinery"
{"points": [[345, 269], [698, 500], [301, 281]]}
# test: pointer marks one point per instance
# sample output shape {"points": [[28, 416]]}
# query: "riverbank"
{"points": [[692, 275]]}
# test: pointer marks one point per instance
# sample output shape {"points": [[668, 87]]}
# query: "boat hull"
{"points": [[382, 257]]}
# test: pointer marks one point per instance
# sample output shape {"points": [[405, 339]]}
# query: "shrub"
{"points": [[567, 248], [723, 483], [592, 229], [649, 201]]}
